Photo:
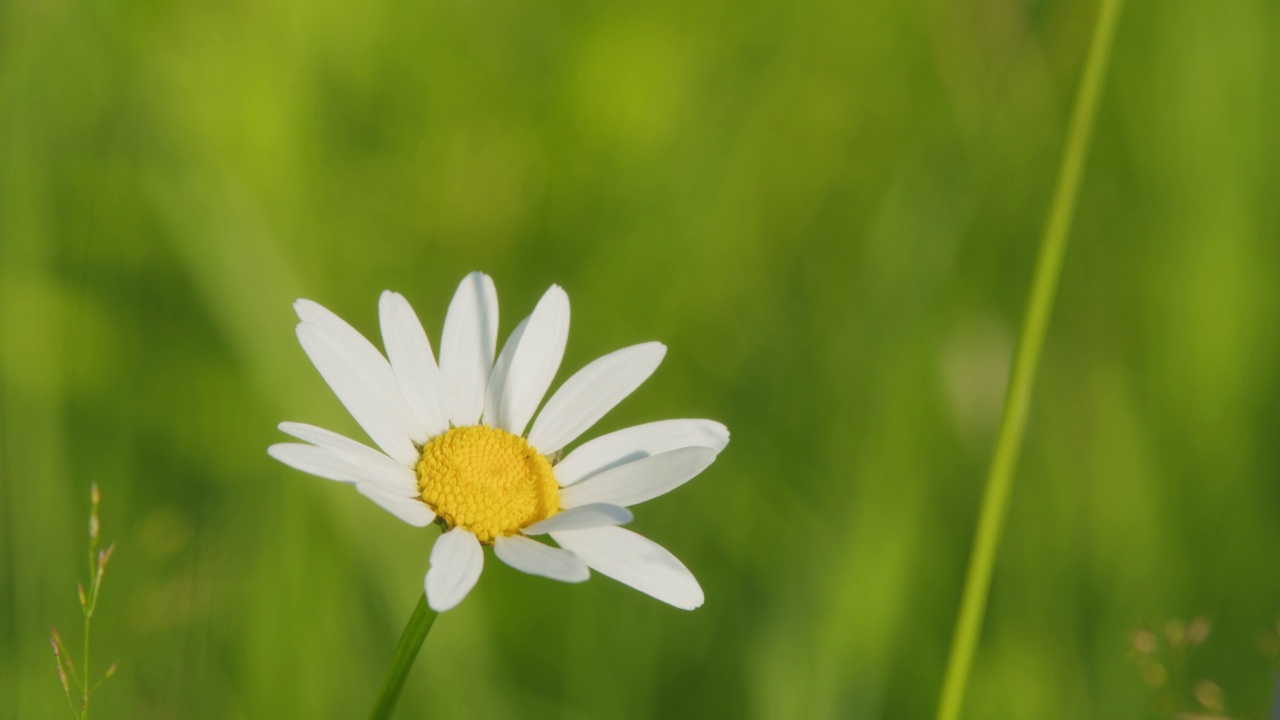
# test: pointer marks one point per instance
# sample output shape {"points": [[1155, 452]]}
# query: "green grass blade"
{"points": [[1026, 359]]}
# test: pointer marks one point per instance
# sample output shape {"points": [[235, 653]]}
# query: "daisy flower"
{"points": [[460, 446]]}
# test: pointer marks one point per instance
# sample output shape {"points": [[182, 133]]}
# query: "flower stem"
{"points": [[1044, 285], [415, 633]]}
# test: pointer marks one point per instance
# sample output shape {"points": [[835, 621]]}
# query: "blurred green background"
{"points": [[828, 211]]}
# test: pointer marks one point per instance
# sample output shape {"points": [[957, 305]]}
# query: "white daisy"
{"points": [[458, 449]]}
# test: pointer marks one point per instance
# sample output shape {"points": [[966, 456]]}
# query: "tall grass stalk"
{"points": [[1004, 462], [415, 633], [67, 674]]}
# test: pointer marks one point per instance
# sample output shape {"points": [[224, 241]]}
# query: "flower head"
{"points": [[455, 451]]}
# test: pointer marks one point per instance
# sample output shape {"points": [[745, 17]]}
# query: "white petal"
{"points": [[411, 510], [456, 562], [467, 347], [365, 358], [378, 465], [332, 465], [413, 363], [535, 558], [582, 518], [641, 480], [636, 561], [315, 461], [634, 443], [498, 378], [366, 387], [535, 361], [592, 392]]}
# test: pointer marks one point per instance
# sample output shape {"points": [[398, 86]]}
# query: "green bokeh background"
{"points": [[827, 210]]}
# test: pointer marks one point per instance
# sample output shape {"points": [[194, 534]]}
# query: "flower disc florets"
{"points": [[487, 480]]}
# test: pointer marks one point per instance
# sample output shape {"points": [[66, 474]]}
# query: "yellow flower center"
{"points": [[487, 481]]}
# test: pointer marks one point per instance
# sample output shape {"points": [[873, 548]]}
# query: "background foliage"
{"points": [[827, 210]]}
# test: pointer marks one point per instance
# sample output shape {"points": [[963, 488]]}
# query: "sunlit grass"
{"points": [[823, 208], [1026, 361]]}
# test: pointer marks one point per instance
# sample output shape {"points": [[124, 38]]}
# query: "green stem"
{"points": [[415, 633], [84, 705], [1044, 286]]}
